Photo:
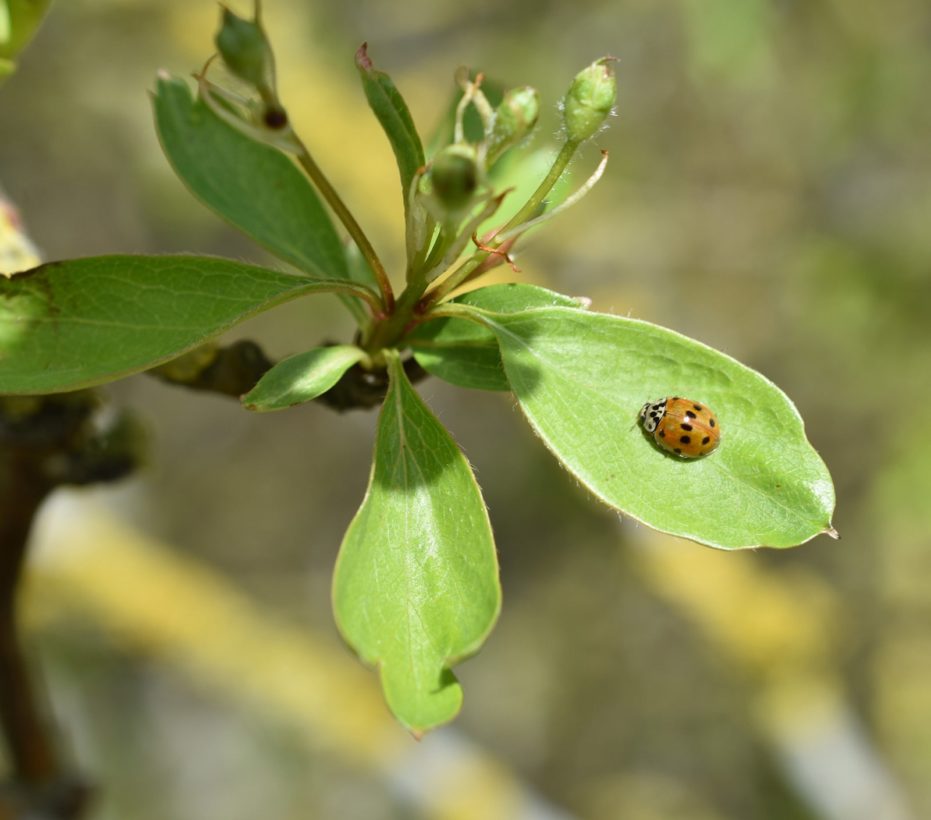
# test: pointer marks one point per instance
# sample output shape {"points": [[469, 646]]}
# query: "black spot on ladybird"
{"points": [[706, 439], [711, 422], [662, 434], [678, 451], [685, 439], [697, 407], [690, 414], [685, 426]]}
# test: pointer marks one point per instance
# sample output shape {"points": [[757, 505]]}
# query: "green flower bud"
{"points": [[590, 99], [515, 117], [246, 51], [453, 178]]}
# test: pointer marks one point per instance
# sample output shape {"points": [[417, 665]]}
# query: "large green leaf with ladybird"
{"points": [[416, 584], [581, 379]]}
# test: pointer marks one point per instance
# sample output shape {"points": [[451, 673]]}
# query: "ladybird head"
{"points": [[651, 413]]}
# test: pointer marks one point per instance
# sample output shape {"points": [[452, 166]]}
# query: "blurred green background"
{"points": [[769, 193]]}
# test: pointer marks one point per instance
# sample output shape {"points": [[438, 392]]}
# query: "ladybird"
{"points": [[682, 426]]}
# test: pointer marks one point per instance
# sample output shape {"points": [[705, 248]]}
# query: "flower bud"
{"points": [[515, 117], [453, 178], [590, 99], [246, 51]]}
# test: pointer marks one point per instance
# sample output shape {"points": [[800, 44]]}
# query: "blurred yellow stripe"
{"points": [[154, 600], [783, 628], [770, 621]]}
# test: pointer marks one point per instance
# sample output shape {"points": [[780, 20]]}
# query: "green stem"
{"points": [[412, 300], [536, 199], [384, 333], [456, 278], [527, 212], [443, 241], [345, 216]]}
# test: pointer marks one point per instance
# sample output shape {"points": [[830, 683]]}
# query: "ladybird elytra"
{"points": [[683, 427]]}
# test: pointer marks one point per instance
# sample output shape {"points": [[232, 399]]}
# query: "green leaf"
{"points": [[82, 322], [465, 353], [389, 107], [302, 377], [255, 187], [6, 26], [581, 379], [416, 585], [19, 20]]}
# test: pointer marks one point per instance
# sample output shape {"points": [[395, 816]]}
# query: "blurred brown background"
{"points": [[768, 193]]}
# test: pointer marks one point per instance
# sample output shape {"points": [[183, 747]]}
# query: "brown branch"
{"points": [[45, 442], [235, 370], [22, 491]]}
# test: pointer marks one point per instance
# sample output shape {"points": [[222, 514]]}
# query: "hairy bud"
{"points": [[590, 99]]}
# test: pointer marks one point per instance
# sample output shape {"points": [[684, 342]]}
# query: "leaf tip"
{"points": [[831, 533], [163, 80], [363, 61]]}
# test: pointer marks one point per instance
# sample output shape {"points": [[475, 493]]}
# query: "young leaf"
{"points": [[302, 377], [255, 187], [389, 107], [581, 379], [465, 353], [416, 585], [73, 324]]}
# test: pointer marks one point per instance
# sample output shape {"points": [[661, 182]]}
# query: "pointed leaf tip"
{"points": [[363, 61]]}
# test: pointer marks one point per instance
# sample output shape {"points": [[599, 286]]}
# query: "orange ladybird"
{"points": [[682, 426]]}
